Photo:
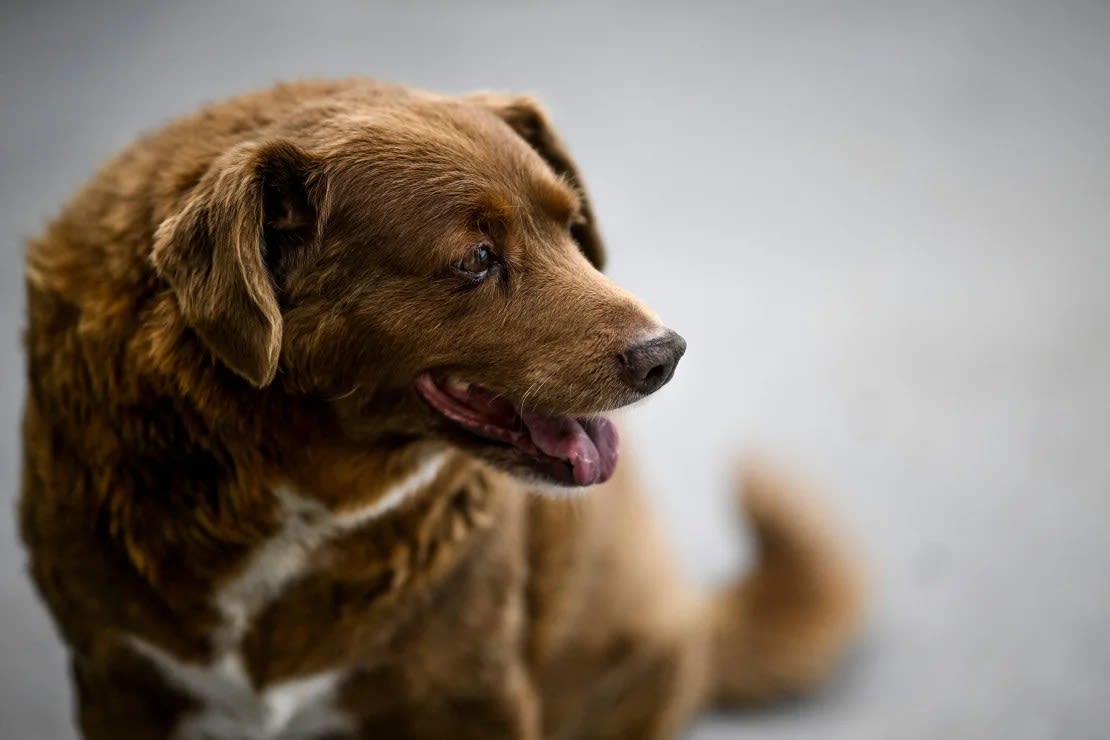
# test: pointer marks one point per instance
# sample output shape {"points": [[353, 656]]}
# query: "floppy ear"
{"points": [[215, 251], [528, 118]]}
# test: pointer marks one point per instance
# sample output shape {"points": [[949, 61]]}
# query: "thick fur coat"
{"points": [[298, 364]]}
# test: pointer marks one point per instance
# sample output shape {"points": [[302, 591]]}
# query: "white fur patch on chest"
{"points": [[230, 706]]}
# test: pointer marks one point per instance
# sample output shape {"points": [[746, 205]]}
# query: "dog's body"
{"points": [[262, 502]]}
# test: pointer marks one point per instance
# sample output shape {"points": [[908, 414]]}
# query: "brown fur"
{"points": [[239, 303]]}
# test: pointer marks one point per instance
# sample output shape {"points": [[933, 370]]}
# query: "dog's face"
{"points": [[435, 271]]}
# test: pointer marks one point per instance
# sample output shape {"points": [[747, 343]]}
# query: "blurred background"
{"points": [[883, 229]]}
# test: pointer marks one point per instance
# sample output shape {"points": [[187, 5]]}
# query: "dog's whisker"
{"points": [[348, 394], [532, 390]]}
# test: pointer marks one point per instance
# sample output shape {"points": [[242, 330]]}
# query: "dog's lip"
{"points": [[499, 420], [577, 451]]}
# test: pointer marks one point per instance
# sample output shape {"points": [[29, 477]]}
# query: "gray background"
{"points": [[885, 232]]}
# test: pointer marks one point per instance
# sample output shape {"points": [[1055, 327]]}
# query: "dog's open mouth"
{"points": [[575, 451]]}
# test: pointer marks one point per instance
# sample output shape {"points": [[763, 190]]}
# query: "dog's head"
{"points": [[429, 268]]}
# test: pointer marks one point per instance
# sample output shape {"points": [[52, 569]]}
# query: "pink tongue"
{"points": [[589, 445]]}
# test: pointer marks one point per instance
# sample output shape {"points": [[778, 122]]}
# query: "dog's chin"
{"points": [[545, 450], [548, 476]]}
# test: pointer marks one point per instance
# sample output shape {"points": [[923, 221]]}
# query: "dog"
{"points": [[311, 374]]}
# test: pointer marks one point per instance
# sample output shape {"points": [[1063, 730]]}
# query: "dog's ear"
{"points": [[217, 252], [530, 121]]}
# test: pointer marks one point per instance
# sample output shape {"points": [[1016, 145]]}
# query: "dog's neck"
{"points": [[231, 490], [344, 476]]}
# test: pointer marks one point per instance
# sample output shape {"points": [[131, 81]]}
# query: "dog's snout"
{"points": [[649, 365]]}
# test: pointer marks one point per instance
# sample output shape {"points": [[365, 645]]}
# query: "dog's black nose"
{"points": [[649, 365]]}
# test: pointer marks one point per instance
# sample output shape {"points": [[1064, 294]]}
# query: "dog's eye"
{"points": [[478, 263]]}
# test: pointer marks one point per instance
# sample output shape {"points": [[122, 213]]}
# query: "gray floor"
{"points": [[885, 234]]}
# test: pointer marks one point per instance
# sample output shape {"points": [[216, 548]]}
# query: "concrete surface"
{"points": [[885, 232]]}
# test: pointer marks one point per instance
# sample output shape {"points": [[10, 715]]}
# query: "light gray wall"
{"points": [[885, 233]]}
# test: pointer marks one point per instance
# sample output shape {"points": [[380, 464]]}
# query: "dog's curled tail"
{"points": [[780, 630]]}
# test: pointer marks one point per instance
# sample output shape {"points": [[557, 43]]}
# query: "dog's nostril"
{"points": [[655, 374], [649, 365]]}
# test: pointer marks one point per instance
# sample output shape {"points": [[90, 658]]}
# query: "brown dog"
{"points": [[295, 363]]}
